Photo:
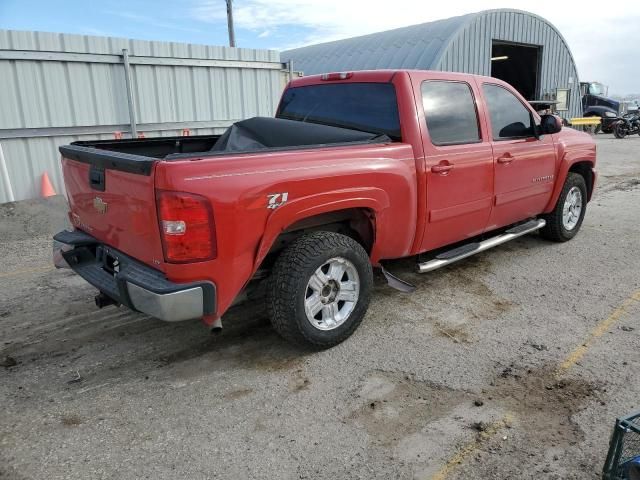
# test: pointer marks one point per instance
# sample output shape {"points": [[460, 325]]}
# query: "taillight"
{"points": [[187, 227]]}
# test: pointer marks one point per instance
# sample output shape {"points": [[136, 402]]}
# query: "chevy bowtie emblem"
{"points": [[100, 205]]}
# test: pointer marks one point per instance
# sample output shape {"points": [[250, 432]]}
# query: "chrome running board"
{"points": [[465, 251]]}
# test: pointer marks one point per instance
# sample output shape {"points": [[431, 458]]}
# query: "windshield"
{"points": [[369, 107], [596, 88]]}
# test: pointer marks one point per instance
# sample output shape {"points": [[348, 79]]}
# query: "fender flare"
{"points": [[374, 199], [563, 171]]}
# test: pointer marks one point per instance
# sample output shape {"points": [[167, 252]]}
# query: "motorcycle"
{"points": [[627, 125]]}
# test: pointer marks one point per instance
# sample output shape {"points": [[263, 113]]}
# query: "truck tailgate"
{"points": [[112, 197]]}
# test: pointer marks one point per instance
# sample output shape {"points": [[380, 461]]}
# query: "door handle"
{"points": [[442, 168], [506, 158]]}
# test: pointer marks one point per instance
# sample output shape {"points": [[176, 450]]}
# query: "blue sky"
{"points": [[598, 37], [191, 21], [140, 19]]}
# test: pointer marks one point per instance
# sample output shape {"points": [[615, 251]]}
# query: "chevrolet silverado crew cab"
{"points": [[356, 168]]}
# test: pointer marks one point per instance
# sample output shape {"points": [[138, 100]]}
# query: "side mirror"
{"points": [[550, 124]]}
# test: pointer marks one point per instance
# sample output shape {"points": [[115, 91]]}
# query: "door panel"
{"points": [[459, 160], [523, 186], [445, 213], [459, 202], [524, 165]]}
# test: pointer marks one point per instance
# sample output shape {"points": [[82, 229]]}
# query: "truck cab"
{"points": [[597, 103]]}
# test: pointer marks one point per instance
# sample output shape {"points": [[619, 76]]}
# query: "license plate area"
{"points": [[109, 260]]}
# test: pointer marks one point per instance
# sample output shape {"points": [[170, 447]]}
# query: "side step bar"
{"points": [[447, 258]]}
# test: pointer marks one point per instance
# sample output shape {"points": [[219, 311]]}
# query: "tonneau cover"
{"points": [[259, 133]]}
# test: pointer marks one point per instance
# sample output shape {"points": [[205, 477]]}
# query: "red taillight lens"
{"points": [[187, 227]]}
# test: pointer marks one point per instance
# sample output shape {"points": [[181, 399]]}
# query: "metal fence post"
{"points": [[232, 33], [132, 106], [4, 173]]}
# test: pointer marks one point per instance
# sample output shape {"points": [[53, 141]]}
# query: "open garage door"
{"points": [[518, 65]]}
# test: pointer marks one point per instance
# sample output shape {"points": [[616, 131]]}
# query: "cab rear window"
{"points": [[370, 107]]}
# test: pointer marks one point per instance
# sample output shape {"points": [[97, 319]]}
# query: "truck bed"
{"points": [[256, 134]]}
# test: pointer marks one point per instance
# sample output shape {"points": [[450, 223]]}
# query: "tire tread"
{"points": [[287, 275], [554, 230]]}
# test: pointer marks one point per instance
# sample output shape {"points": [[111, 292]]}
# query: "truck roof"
{"points": [[378, 76]]}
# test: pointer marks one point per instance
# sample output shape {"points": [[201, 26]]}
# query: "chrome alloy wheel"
{"points": [[332, 293], [572, 208]]}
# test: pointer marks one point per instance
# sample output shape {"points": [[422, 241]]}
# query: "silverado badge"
{"points": [[100, 205]]}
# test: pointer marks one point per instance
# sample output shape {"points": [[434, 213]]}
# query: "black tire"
{"points": [[288, 290], [619, 131], [555, 229]]}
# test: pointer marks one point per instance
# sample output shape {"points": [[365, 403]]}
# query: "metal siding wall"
{"points": [[557, 65], [44, 94]]}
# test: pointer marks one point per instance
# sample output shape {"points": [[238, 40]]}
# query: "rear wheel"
{"points": [[319, 289], [566, 218]]}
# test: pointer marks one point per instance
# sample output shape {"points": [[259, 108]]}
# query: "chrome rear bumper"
{"points": [[171, 307], [133, 284]]}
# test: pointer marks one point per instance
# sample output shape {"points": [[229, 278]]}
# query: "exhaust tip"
{"points": [[216, 327]]}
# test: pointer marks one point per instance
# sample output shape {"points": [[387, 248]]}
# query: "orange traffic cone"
{"points": [[46, 189]]}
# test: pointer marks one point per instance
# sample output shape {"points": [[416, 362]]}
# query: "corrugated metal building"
{"points": [[58, 88], [518, 47]]}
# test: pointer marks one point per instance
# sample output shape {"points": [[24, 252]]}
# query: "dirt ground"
{"points": [[511, 364]]}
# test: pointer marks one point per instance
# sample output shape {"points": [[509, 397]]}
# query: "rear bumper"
{"points": [[130, 282]]}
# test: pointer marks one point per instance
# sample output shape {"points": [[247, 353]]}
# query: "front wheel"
{"points": [[566, 218], [319, 289], [620, 131]]}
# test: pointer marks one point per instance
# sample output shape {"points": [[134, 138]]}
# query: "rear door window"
{"points": [[509, 117], [450, 112]]}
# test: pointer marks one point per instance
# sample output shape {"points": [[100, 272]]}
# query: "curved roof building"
{"points": [[519, 47]]}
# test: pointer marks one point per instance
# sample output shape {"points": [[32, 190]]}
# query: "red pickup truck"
{"points": [[356, 168]]}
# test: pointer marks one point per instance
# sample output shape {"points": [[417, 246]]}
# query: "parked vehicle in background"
{"points": [[632, 105], [356, 168], [597, 103], [629, 124]]}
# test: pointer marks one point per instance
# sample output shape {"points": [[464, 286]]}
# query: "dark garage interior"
{"points": [[518, 65]]}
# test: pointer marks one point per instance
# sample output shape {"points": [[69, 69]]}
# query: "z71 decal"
{"points": [[276, 200]]}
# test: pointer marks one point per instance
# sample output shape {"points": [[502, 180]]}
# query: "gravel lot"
{"points": [[471, 376]]}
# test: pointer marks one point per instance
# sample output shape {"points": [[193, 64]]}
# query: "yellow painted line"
{"points": [[472, 447], [15, 273], [576, 355]]}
